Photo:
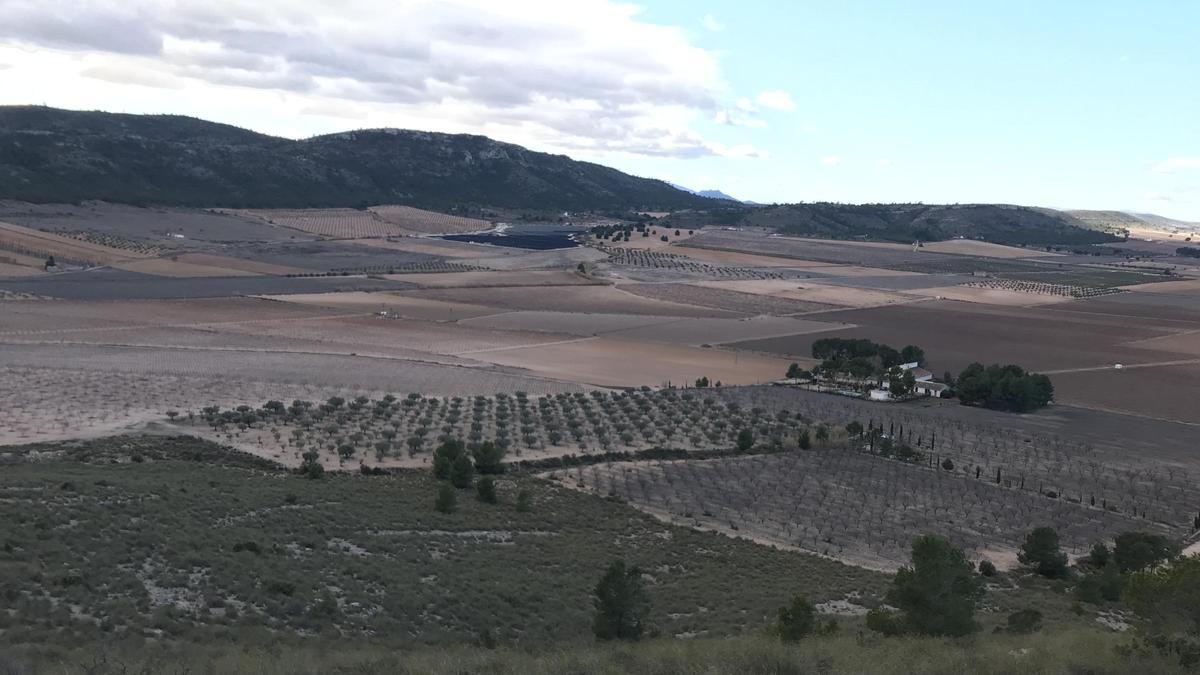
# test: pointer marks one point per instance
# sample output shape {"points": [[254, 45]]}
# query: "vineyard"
{"points": [[418, 267], [740, 460], [1045, 288], [111, 240], [428, 222], [659, 260], [405, 430]]}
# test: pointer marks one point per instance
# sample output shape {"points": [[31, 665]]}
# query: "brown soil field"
{"points": [[490, 279], [985, 249], [240, 264], [621, 363], [810, 291], [428, 222], [572, 323], [954, 334], [1165, 392], [720, 331], [36, 243], [399, 305], [427, 245], [719, 298], [163, 267], [589, 299]]}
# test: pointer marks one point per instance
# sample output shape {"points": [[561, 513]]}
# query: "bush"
{"points": [[1024, 622], [524, 501], [446, 499], [886, 623], [489, 458], [462, 472], [621, 604], [1099, 555], [1041, 551], [486, 488], [1102, 585], [444, 457], [987, 568], [797, 620], [745, 440]]}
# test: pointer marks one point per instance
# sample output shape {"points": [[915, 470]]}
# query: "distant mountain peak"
{"points": [[711, 194]]}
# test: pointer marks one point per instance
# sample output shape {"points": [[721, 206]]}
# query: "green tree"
{"points": [[621, 604], [939, 592], [486, 488], [702, 382], [794, 371], [1099, 555], [745, 440], [462, 472], [797, 620], [1168, 598], [1041, 552], [311, 466], [1105, 583], [1138, 551], [854, 428], [912, 354], [489, 458], [444, 457], [446, 498]]}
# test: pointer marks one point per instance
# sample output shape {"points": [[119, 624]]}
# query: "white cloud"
{"points": [[831, 160], [1177, 164], [777, 100], [589, 75], [746, 105], [710, 22], [733, 119], [883, 162]]}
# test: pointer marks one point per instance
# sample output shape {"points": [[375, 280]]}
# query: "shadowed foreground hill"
{"points": [[52, 155]]}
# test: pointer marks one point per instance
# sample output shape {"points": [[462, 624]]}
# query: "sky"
{"points": [[1066, 104]]}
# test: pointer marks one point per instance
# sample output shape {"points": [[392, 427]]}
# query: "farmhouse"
{"points": [[933, 389]]}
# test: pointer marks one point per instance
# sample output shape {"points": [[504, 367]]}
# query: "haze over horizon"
{"points": [[1079, 105]]}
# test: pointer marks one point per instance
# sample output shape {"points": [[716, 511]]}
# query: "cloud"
{"points": [[139, 76], [590, 74], [776, 100], [710, 22], [831, 160], [733, 119], [746, 105], [5, 66], [1176, 164], [883, 162]]}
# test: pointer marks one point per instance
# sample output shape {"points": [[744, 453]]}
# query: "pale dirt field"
{"points": [[653, 242], [400, 305], [62, 247], [22, 261], [240, 264], [1181, 286], [11, 270], [812, 292], [487, 279], [622, 363], [992, 296], [335, 223], [586, 299], [164, 267]]}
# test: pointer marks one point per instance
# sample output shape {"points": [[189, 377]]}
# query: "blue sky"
{"points": [[1062, 104]]}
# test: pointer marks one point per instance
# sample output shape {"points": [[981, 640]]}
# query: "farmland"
{"points": [[257, 342]]}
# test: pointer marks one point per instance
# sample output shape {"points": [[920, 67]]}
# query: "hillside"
{"points": [[998, 223], [52, 155]]}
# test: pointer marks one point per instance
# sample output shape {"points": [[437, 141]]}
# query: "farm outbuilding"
{"points": [[933, 389]]}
